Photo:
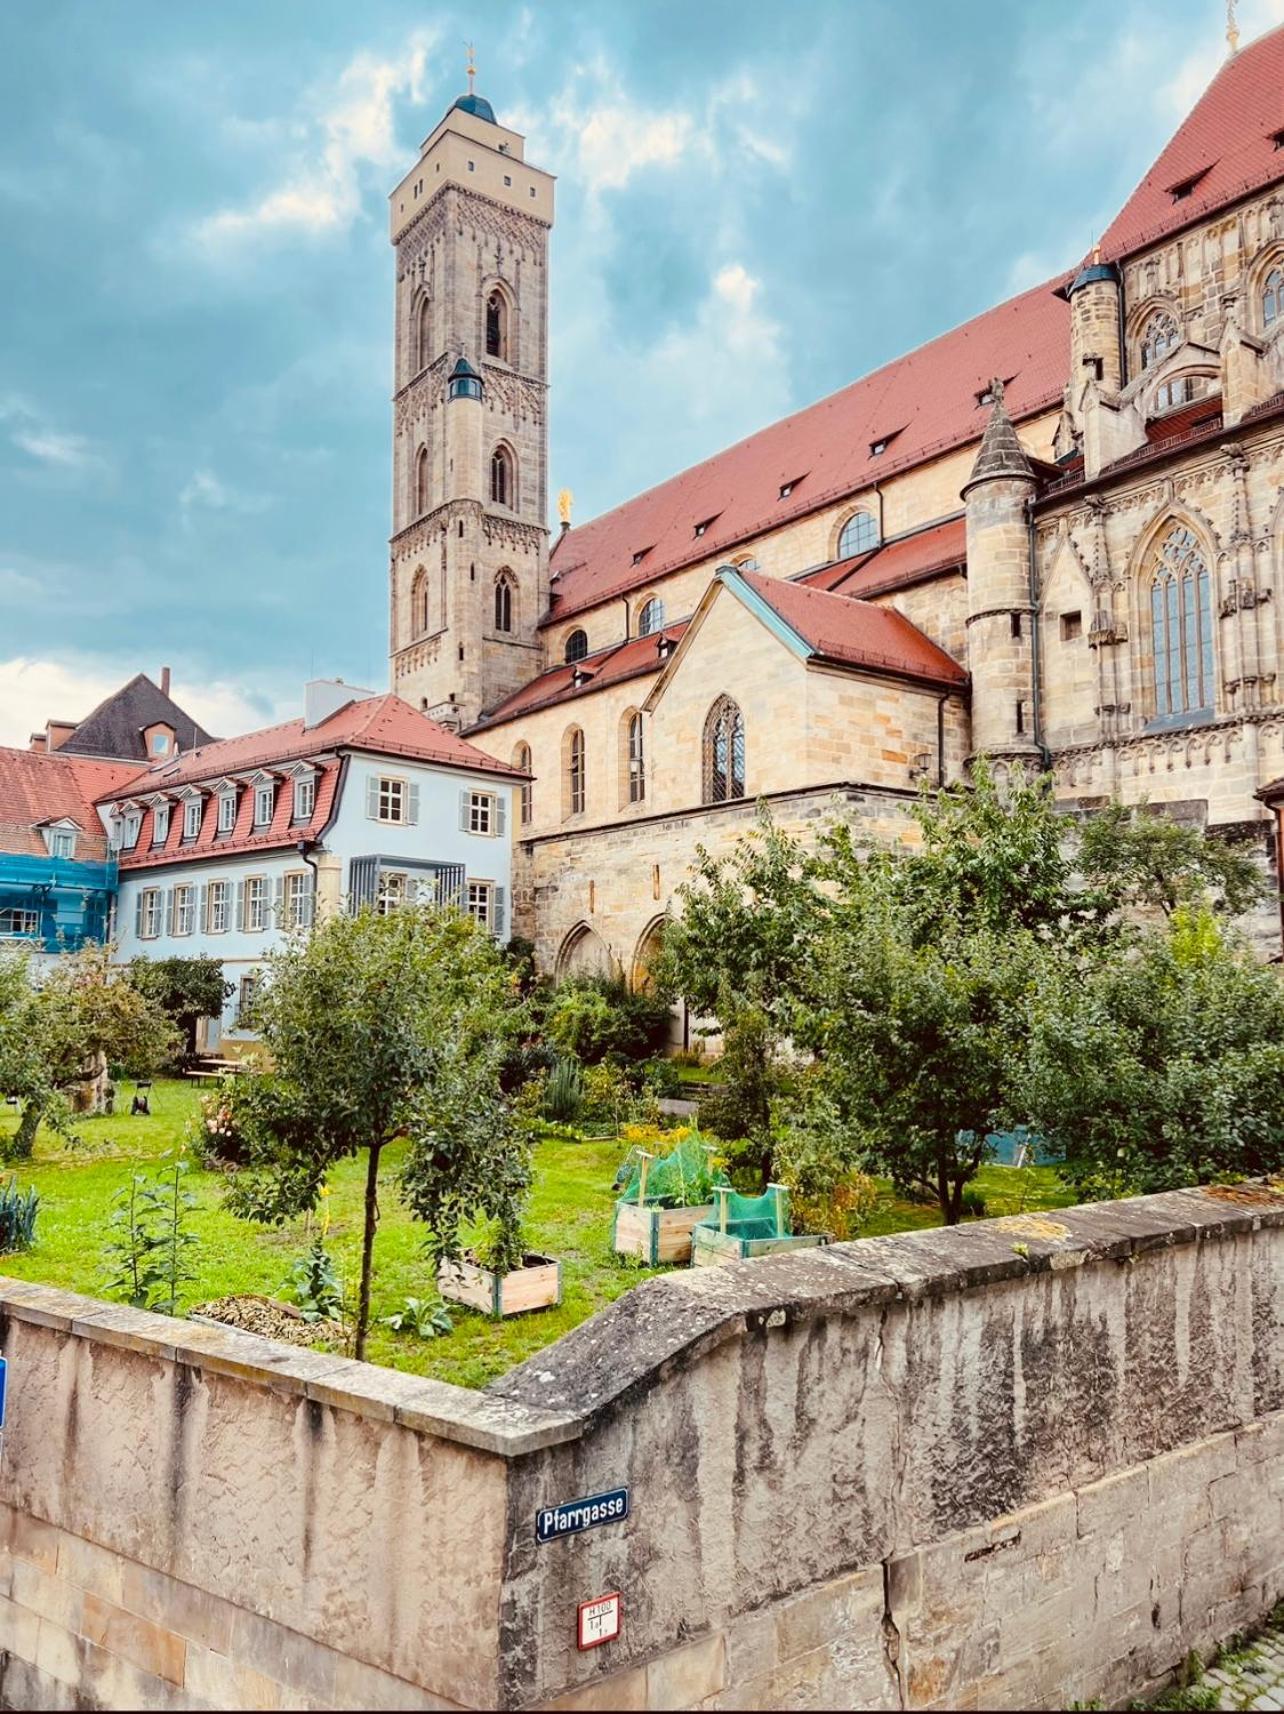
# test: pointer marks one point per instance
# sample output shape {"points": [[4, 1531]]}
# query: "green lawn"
{"points": [[570, 1218]]}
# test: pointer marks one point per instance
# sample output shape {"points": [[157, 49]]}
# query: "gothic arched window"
{"points": [[1273, 297], [576, 647], [1159, 337], [503, 478], [634, 758], [497, 326], [522, 762], [421, 481], [423, 335], [503, 602], [724, 752], [651, 616], [859, 535], [1182, 626], [420, 604], [573, 772]]}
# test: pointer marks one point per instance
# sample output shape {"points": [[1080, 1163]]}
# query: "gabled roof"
{"points": [[37, 788], [116, 726], [383, 725], [636, 658], [929, 399], [282, 833], [1223, 150]]}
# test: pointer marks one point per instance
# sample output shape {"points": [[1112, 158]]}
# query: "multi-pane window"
{"points": [[522, 761], [481, 902], [227, 812], [305, 797], [1273, 298], [393, 890], [575, 772], [264, 804], [636, 759], [651, 618], [504, 604], [17, 920], [298, 900], [216, 905], [245, 1000], [192, 818], [1159, 337], [149, 913], [576, 647], [62, 843], [1182, 626], [1179, 391], [724, 752], [255, 907], [390, 801], [160, 823], [184, 910], [133, 822], [859, 535], [481, 812]]}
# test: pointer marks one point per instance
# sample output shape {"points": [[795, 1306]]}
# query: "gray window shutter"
{"points": [[278, 907], [464, 805], [240, 904], [412, 805], [497, 927], [202, 910], [372, 797], [308, 903], [138, 913], [169, 910], [501, 816]]}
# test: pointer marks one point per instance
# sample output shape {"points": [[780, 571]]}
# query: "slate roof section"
{"points": [[1226, 144], [116, 726], [36, 788], [855, 633], [637, 658]]}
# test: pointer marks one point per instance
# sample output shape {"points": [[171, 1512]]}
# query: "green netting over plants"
{"points": [[683, 1178], [765, 1216]]}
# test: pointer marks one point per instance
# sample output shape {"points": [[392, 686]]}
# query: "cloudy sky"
{"points": [[756, 204]]}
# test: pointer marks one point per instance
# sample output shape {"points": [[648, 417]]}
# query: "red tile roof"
{"points": [[282, 832], [930, 396], [940, 548], [1228, 138], [37, 787], [638, 657], [856, 633]]}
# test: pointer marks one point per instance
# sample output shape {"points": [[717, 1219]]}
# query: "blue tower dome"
{"points": [[477, 105], [464, 381]]}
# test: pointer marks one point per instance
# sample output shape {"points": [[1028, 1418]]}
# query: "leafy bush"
{"points": [[148, 1243], [18, 1210], [594, 1016], [313, 1285], [425, 1317], [608, 1095], [741, 1106], [564, 1091], [213, 1135], [973, 1203], [662, 1076]]}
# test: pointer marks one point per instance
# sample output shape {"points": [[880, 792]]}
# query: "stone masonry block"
{"points": [[134, 1638], [1108, 1505], [181, 1607], [50, 1597], [849, 1604], [688, 1676]]}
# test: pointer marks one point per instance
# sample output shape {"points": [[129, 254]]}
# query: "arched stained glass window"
{"points": [[1273, 297], [651, 617], [1182, 627], [859, 535], [1159, 337], [724, 752]]}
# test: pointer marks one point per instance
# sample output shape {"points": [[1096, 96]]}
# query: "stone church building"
{"points": [[1054, 535]]}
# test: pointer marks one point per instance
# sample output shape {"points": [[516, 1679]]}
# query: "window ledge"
{"points": [[1179, 722]]}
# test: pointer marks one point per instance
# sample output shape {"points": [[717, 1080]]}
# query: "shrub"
{"points": [[741, 1106], [840, 1211], [564, 1091], [425, 1317], [18, 1210], [594, 1016], [313, 1285], [662, 1077], [973, 1203], [608, 1095]]}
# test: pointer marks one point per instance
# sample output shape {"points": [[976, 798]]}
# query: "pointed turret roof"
{"points": [[1001, 453]]}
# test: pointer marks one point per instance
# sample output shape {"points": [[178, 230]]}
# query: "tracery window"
{"points": [[503, 484], [573, 795], [503, 602], [576, 647], [497, 326], [859, 535], [421, 481], [420, 604], [651, 617], [724, 752], [1159, 337], [1273, 297], [1182, 626], [635, 758], [423, 335]]}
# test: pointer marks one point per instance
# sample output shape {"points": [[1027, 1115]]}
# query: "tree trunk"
{"points": [[24, 1139], [367, 1249]]}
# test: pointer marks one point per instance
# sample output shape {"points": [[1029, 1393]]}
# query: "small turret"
{"points": [[1096, 345], [1001, 616]]}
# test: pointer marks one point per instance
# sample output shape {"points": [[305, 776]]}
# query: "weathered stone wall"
{"points": [[1006, 1466]]}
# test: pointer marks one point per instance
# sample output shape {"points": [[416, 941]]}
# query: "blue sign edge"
{"points": [[588, 1500]]}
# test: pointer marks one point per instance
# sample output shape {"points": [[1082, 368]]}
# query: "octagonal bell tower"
{"points": [[469, 563]]}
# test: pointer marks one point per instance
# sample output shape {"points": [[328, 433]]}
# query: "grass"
{"points": [[569, 1218]]}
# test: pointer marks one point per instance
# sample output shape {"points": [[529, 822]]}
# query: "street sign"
{"points": [[598, 1621], [552, 1522], [4, 1377]]}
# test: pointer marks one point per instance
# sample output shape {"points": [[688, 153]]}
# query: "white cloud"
{"points": [[31, 433], [347, 127], [33, 690], [205, 489]]}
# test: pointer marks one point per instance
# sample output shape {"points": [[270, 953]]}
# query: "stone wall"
{"points": [[1011, 1465]]}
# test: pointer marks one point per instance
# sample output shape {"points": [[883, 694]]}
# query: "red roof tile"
{"points": [[638, 657], [282, 832], [856, 633], [939, 548], [1228, 138], [930, 396], [37, 787]]}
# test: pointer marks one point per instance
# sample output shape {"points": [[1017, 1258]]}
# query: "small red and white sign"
{"points": [[599, 1621]]}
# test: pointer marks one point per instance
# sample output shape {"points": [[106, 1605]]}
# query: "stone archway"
{"points": [[584, 953]]}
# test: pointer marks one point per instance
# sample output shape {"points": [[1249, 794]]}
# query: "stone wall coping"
{"points": [[673, 1320]]}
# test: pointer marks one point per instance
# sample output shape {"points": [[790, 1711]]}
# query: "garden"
{"points": [[438, 1161]]}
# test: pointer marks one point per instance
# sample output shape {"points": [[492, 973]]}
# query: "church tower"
{"points": [[469, 561]]}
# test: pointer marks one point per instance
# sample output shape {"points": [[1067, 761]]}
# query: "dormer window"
{"points": [[226, 812], [130, 830], [192, 819], [703, 526], [160, 823], [641, 554], [878, 447], [264, 803], [305, 797], [787, 488], [1277, 137], [1185, 187], [61, 842]]}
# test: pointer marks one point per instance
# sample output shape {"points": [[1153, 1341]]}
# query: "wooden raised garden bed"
{"points": [[656, 1234], [764, 1232], [535, 1285]]}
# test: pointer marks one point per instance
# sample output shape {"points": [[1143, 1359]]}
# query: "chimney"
{"points": [[164, 681], [323, 697], [57, 733], [39, 741]]}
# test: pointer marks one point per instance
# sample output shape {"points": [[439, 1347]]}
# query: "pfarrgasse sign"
{"points": [[552, 1522]]}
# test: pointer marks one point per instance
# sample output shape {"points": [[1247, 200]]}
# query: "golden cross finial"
{"points": [[565, 499], [1232, 28], [472, 66]]}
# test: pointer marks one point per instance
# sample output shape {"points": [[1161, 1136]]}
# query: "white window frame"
{"points": [[264, 794], [22, 922], [132, 828], [160, 823], [481, 813], [218, 897], [305, 797], [394, 890], [151, 913], [184, 909], [62, 843], [393, 793], [192, 817], [480, 902], [246, 989], [256, 904], [297, 902], [226, 804]]}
